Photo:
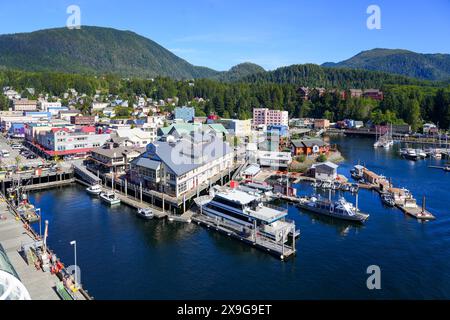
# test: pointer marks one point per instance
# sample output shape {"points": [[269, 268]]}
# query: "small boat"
{"points": [[388, 200], [345, 187], [421, 154], [447, 169], [411, 154], [110, 197], [145, 213], [94, 190]]}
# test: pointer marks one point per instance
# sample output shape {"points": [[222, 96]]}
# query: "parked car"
{"points": [[16, 147]]}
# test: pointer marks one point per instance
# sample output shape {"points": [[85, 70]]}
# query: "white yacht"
{"points": [[245, 212], [110, 197], [340, 209], [145, 213], [94, 190]]}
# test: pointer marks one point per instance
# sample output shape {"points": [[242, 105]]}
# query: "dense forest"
{"points": [[403, 62], [411, 103]]}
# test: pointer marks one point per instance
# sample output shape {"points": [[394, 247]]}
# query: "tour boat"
{"points": [[110, 197], [244, 213]]}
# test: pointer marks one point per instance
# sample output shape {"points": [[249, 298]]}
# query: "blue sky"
{"points": [[272, 33]]}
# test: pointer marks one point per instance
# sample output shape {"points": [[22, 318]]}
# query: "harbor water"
{"points": [[124, 257]]}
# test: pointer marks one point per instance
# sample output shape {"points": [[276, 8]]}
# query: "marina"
{"points": [[212, 243]]}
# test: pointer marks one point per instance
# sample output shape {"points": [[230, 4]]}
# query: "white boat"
{"points": [[145, 213], [340, 209], [246, 213], [95, 189], [327, 185], [110, 197]]}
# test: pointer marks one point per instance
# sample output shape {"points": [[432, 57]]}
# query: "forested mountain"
{"points": [[403, 62], [317, 76], [94, 50]]}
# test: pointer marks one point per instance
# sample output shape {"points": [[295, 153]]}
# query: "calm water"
{"points": [[123, 257]]}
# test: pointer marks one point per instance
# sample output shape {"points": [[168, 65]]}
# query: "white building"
{"points": [[274, 159], [325, 171], [45, 105], [134, 137], [239, 128], [176, 167]]}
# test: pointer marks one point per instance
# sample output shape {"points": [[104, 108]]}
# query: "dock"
{"points": [[280, 251], [13, 235]]}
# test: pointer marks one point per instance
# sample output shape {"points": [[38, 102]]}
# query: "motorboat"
{"points": [[94, 190], [340, 209], [110, 197], [145, 213]]}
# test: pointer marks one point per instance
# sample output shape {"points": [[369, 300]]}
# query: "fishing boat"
{"points": [[94, 190], [340, 209], [145, 213], [110, 197]]}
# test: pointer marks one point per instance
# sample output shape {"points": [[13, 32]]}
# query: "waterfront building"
{"points": [[325, 171], [264, 116], [69, 142], [113, 159], [309, 147], [177, 166], [24, 105], [184, 113]]}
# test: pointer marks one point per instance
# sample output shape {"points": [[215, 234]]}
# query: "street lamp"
{"points": [[74, 244]]}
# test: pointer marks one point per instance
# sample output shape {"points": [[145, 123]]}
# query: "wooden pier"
{"points": [[13, 235]]}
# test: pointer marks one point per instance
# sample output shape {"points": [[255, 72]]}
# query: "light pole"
{"points": [[40, 223], [74, 244]]}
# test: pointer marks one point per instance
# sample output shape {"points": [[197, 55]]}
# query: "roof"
{"points": [[327, 164], [252, 170], [308, 143], [88, 129], [110, 153], [185, 156], [218, 128], [237, 196], [147, 163]]}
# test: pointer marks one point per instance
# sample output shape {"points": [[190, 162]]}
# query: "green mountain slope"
{"points": [[94, 50], [403, 62], [312, 75]]}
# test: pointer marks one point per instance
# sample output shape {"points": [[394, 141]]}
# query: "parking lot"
{"points": [[11, 161]]}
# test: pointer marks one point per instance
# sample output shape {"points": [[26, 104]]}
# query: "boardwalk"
{"points": [[40, 285]]}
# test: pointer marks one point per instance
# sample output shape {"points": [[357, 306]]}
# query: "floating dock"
{"points": [[280, 251]]}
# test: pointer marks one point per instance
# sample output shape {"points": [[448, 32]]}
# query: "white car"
{"points": [[16, 147]]}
